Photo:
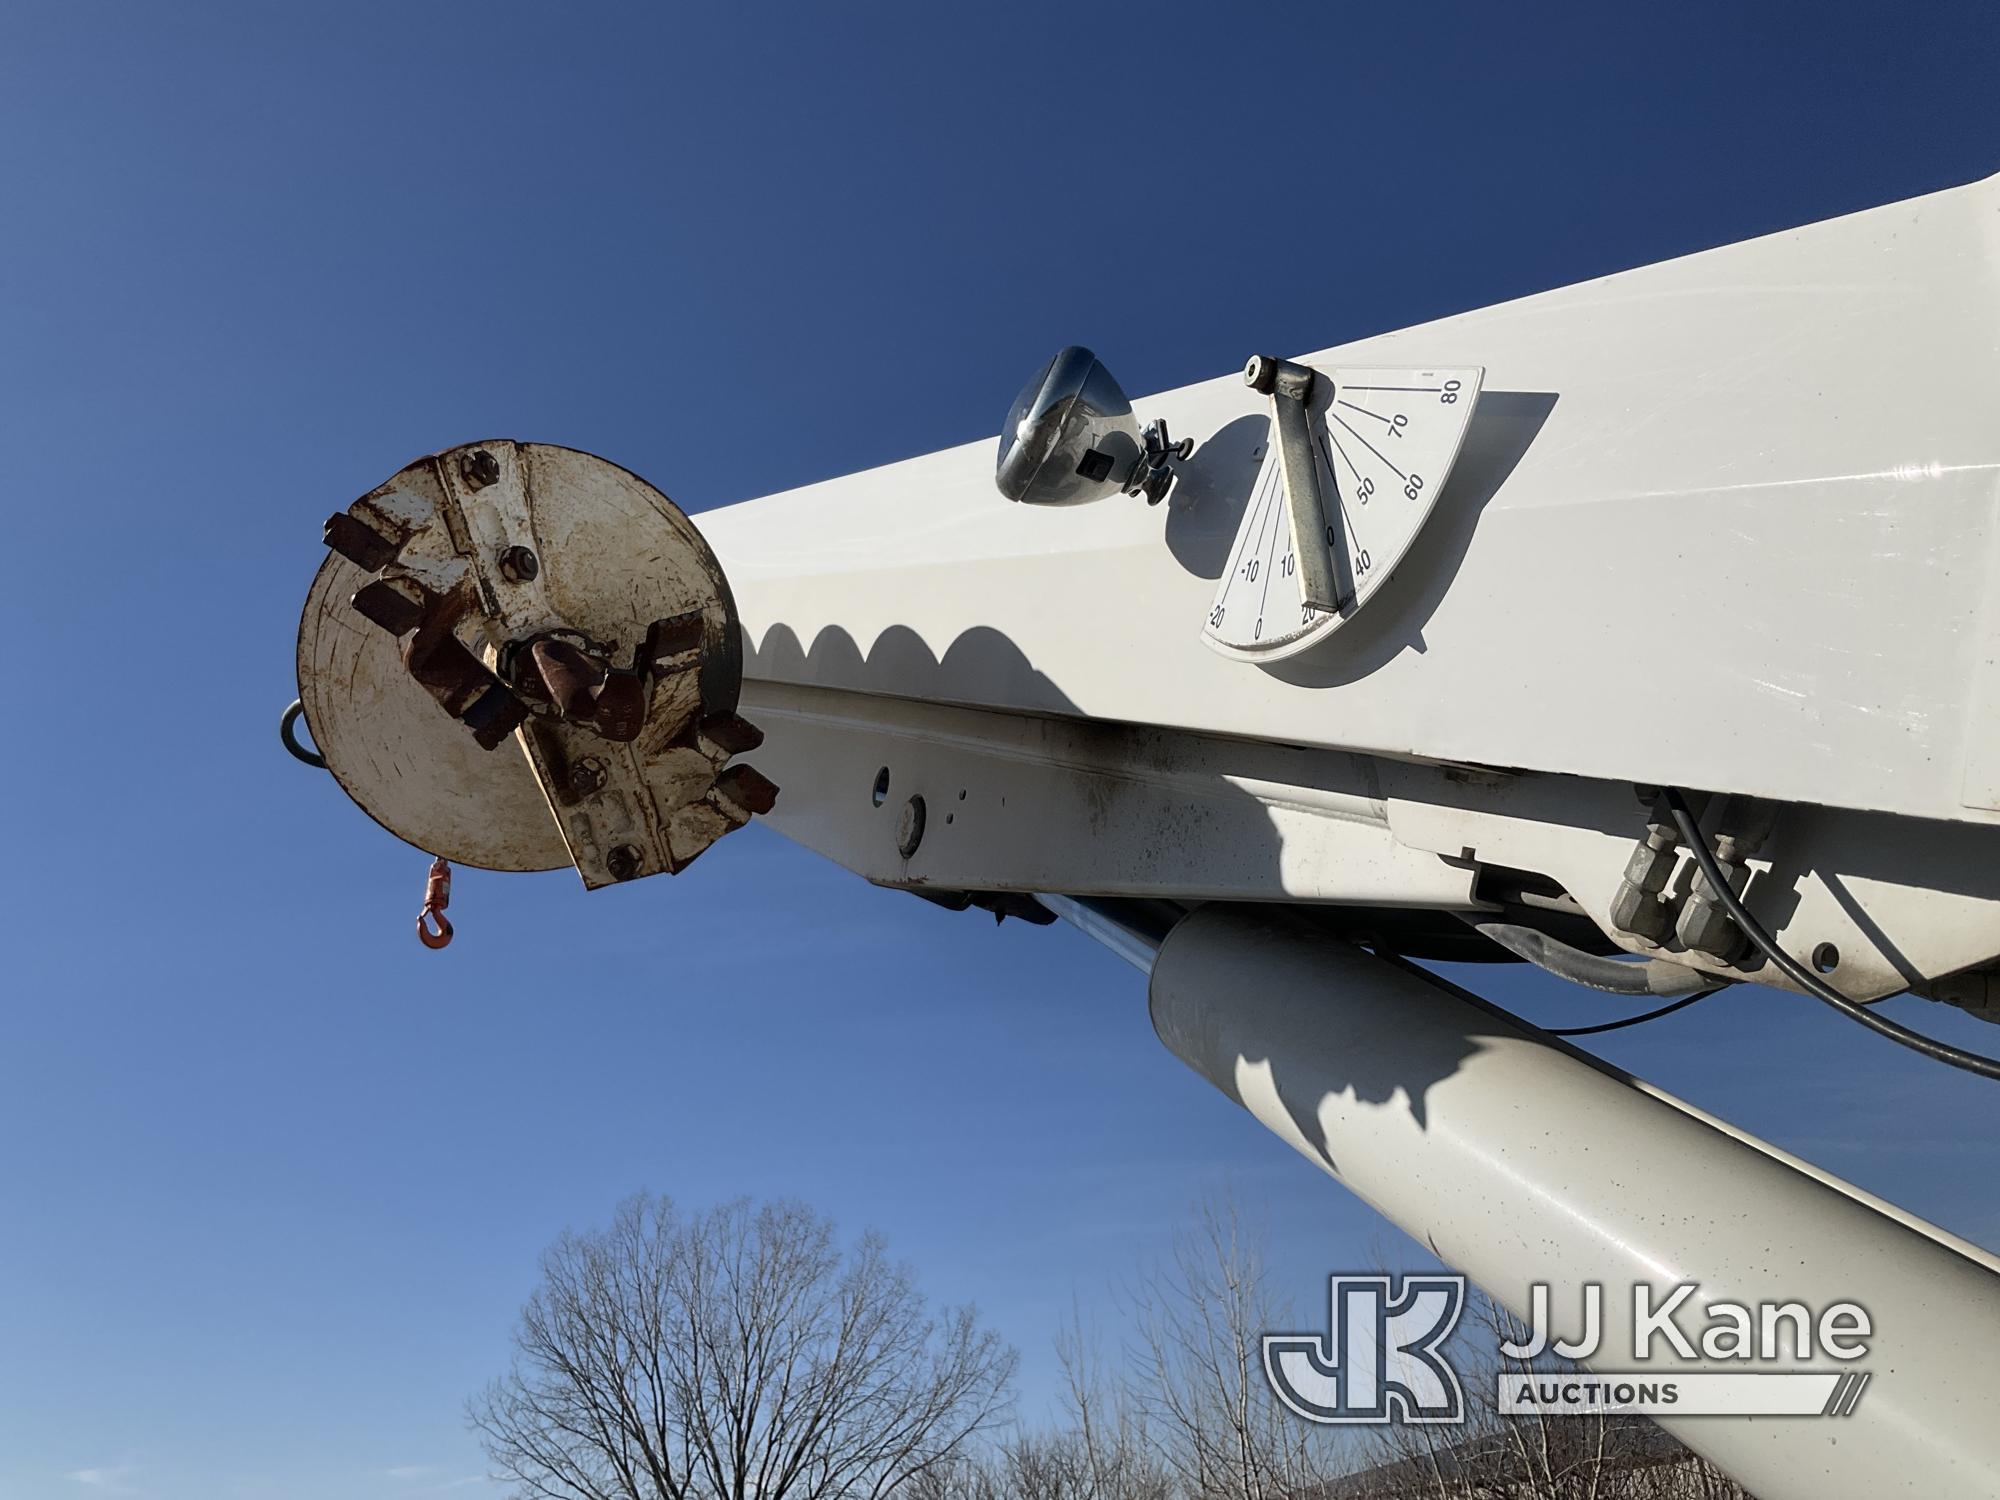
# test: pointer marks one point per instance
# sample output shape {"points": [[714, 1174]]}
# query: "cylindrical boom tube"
{"points": [[1517, 1160]]}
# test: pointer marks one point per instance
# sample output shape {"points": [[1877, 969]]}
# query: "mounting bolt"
{"points": [[519, 565], [586, 778], [910, 830], [624, 862], [478, 468]]}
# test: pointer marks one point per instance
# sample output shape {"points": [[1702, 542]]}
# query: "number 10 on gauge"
{"points": [[1349, 476]]}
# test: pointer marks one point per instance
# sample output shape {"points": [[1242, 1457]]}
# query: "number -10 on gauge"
{"points": [[1357, 458]]}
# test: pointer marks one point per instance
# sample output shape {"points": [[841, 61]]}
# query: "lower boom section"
{"points": [[1521, 1162]]}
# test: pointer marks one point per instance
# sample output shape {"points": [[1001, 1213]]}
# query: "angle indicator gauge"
{"points": [[1356, 460]]}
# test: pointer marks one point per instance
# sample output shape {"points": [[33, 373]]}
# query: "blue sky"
{"points": [[273, 1178]]}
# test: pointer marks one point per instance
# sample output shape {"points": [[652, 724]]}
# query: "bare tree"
{"points": [[1100, 1452], [1198, 1374], [1038, 1466], [1184, 1413], [733, 1355], [1496, 1455], [1115, 1456]]}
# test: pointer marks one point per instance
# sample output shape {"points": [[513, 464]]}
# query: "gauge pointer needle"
{"points": [[1315, 536]]}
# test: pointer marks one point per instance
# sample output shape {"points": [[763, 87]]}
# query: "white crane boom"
{"points": [[1653, 618]]}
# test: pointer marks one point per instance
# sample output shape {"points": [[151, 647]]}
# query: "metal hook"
{"points": [[431, 939], [437, 896]]}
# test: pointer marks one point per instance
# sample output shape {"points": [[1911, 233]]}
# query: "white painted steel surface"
{"points": [[1518, 1161], [1028, 802], [1726, 522], [1021, 803]]}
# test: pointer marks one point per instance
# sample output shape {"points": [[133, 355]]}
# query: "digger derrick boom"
{"points": [[1726, 523]]}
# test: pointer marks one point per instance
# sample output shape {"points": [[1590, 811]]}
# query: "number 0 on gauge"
{"points": [[1383, 443]]}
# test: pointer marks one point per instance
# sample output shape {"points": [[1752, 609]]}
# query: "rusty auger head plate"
{"points": [[518, 656]]}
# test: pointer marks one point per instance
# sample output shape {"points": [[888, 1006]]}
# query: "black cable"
{"points": [[1798, 973], [1652, 1015], [288, 732]]}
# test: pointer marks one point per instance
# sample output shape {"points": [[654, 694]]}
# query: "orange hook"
{"points": [[437, 896]]}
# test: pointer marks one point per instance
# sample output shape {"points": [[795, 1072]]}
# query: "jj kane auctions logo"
{"points": [[1382, 1357]]}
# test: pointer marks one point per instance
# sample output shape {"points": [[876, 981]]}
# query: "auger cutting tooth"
{"points": [[747, 788]]}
